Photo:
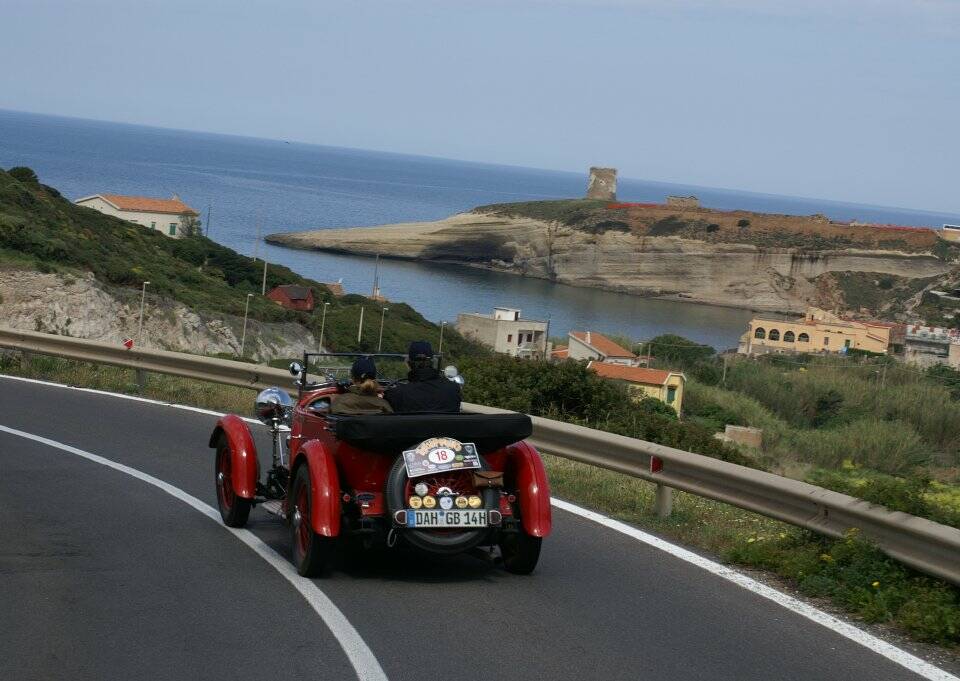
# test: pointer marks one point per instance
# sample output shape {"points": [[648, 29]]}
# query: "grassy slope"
{"points": [[760, 229], [40, 229]]}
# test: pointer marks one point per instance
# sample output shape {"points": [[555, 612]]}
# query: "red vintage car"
{"points": [[444, 483]]}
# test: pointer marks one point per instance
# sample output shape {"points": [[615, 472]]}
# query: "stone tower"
{"points": [[602, 184]]}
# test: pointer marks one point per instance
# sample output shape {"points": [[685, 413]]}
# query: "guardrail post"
{"points": [[25, 357], [663, 501], [141, 379]]}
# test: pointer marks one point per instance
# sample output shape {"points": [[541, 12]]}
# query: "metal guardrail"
{"points": [[920, 543]]}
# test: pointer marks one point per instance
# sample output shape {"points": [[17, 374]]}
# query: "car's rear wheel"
{"points": [[234, 509], [520, 552], [447, 541], [311, 551]]}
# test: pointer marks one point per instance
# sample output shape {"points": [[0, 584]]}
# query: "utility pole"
{"points": [[143, 299], [723, 380], [256, 245], [376, 279], [360, 327], [243, 337], [383, 313], [263, 290], [209, 210], [323, 323], [440, 348]]}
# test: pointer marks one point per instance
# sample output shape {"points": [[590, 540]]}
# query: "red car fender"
{"points": [[324, 486], [533, 489], [244, 466]]}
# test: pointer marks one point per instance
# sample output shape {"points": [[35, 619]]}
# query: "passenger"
{"points": [[428, 390], [363, 396]]}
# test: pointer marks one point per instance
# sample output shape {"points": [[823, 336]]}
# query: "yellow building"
{"points": [[666, 386], [818, 331]]}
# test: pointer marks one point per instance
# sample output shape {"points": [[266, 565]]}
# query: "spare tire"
{"points": [[440, 541]]}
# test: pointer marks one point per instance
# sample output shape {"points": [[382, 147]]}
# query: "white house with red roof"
{"points": [[590, 345], [169, 216]]}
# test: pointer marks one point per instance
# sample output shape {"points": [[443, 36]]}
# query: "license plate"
{"points": [[438, 518]]}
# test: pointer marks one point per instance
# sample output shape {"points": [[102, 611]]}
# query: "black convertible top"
{"points": [[396, 432]]}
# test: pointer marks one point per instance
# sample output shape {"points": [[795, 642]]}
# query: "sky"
{"points": [[853, 100]]}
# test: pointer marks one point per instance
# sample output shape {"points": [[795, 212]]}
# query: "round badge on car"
{"points": [[446, 503]]}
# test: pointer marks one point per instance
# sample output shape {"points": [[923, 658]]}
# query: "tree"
{"points": [[678, 350], [190, 225], [24, 174]]}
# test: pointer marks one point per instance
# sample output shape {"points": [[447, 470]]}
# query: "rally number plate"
{"points": [[440, 455], [439, 519]]}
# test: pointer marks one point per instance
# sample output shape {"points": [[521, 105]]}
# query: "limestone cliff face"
{"points": [[80, 307], [738, 275]]}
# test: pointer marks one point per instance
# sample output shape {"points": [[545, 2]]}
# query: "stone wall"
{"points": [[683, 201]]}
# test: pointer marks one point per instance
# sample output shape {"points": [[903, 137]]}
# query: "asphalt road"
{"points": [[103, 576]]}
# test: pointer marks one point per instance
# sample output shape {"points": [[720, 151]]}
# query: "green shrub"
{"points": [[24, 174]]}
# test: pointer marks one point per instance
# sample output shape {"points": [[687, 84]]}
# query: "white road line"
{"points": [[361, 657], [877, 645], [845, 629]]}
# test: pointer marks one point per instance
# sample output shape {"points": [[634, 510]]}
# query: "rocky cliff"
{"points": [[81, 307], [623, 259]]}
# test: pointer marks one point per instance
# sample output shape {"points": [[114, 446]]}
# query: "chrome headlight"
{"points": [[273, 405]]}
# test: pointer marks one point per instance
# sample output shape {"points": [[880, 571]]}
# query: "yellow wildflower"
{"points": [[826, 557], [876, 585]]}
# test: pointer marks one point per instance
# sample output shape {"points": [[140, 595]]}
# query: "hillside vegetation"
{"points": [[808, 233], [40, 229]]}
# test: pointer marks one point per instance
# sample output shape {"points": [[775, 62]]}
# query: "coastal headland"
{"points": [[732, 258]]}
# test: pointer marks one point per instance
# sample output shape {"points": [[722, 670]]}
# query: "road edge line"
{"points": [[361, 658], [835, 624]]}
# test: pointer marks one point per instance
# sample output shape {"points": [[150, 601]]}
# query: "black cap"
{"points": [[363, 368], [420, 350]]}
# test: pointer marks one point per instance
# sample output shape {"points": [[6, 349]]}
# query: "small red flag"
{"points": [[128, 343]]}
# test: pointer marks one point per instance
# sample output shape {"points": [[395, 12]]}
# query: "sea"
{"points": [[251, 187]]}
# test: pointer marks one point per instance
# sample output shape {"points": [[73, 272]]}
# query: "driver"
{"points": [[428, 390], [363, 395]]}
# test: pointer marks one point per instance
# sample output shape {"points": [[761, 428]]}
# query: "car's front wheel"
{"points": [[234, 509], [311, 551]]}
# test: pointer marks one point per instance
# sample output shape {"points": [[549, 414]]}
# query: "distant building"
{"points": [[590, 345], [336, 288], [950, 233], [602, 184], [293, 297], [683, 201], [929, 345], [170, 216], [666, 386], [818, 331], [506, 331]]}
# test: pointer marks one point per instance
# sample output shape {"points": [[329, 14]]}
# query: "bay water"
{"points": [[258, 186]]}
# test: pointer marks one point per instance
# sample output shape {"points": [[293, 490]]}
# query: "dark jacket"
{"points": [[355, 402], [427, 391]]}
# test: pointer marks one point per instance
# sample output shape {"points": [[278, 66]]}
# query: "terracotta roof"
{"points": [[560, 353], [146, 204], [632, 374], [294, 291], [601, 344]]}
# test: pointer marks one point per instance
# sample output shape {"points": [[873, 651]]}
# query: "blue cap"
{"points": [[363, 368], [420, 350]]}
